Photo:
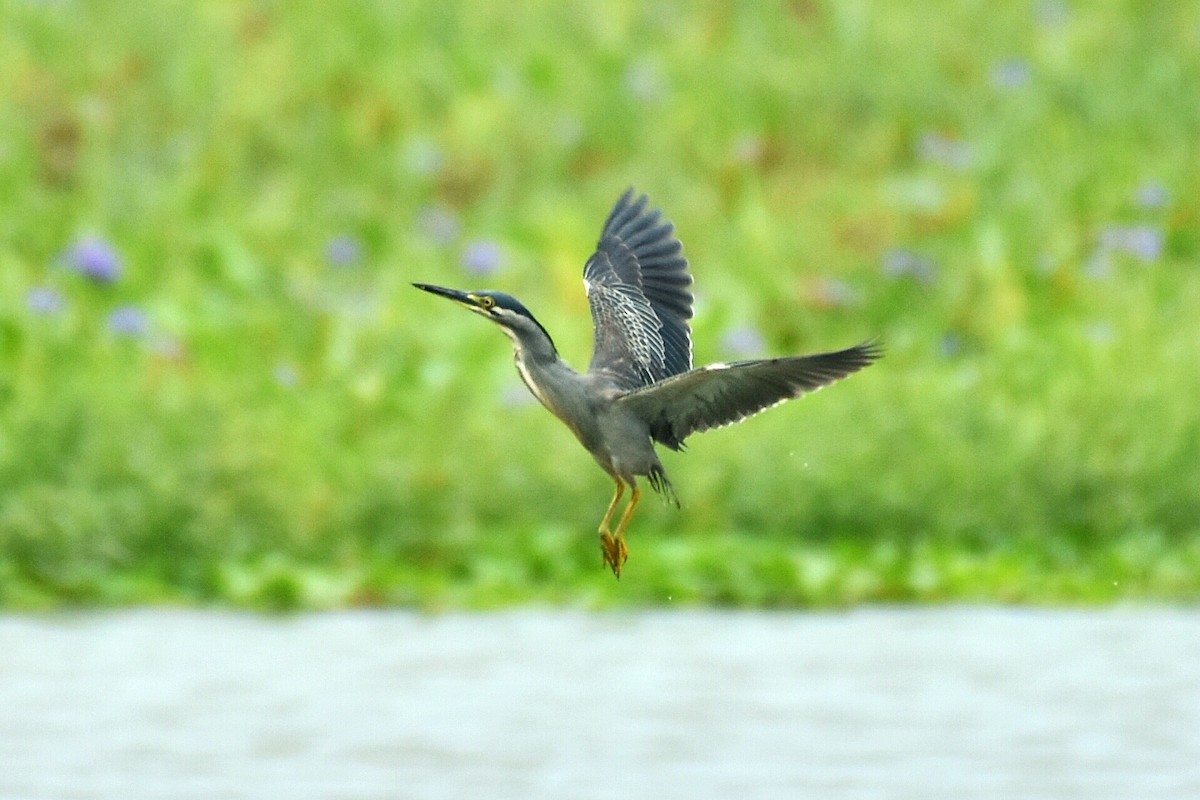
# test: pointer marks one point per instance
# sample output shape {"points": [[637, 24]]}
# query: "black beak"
{"points": [[464, 299], [451, 294]]}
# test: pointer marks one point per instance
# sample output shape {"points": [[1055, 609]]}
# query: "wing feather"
{"points": [[638, 288], [722, 394]]}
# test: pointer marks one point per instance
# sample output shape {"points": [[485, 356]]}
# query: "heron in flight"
{"points": [[640, 387]]}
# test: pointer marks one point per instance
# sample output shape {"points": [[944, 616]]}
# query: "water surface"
{"points": [[959, 703]]}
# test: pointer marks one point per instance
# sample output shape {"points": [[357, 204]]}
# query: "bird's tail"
{"points": [[658, 481]]}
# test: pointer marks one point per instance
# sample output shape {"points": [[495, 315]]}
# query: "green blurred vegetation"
{"points": [[216, 385]]}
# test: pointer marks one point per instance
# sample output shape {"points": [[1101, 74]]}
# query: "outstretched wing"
{"points": [[638, 289], [722, 394]]}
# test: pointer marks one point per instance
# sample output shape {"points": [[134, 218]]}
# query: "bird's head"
{"points": [[502, 309]]}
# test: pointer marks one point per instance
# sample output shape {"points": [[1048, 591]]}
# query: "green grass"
{"points": [[1006, 196]]}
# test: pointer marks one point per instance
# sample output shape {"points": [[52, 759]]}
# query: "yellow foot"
{"points": [[615, 550]]}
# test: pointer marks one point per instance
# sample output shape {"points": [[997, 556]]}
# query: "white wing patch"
{"points": [[629, 316]]}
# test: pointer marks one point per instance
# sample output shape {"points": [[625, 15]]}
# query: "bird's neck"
{"points": [[544, 373], [532, 349]]}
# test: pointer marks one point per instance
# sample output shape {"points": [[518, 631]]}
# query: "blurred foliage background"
{"points": [[216, 385]]}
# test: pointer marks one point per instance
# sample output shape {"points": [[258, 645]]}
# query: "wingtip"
{"points": [[625, 200], [632, 198], [872, 349]]}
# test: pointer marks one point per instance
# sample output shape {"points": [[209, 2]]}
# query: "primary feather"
{"points": [[722, 394], [638, 290]]}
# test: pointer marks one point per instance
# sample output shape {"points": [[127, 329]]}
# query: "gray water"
{"points": [[960, 703]]}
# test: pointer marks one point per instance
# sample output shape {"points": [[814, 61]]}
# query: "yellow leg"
{"points": [[613, 547], [616, 552], [604, 523], [628, 515]]}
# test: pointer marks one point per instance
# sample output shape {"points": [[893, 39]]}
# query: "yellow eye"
{"points": [[486, 302]]}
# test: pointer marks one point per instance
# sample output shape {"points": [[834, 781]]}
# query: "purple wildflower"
{"points": [[44, 300], [482, 258], [128, 321], [439, 224], [945, 151], [1144, 242], [343, 251], [95, 259], [1151, 195], [743, 342], [951, 344], [899, 263], [1011, 73]]}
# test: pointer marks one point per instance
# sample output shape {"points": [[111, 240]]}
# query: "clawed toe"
{"points": [[616, 552]]}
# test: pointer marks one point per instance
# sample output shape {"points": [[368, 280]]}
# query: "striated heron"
{"points": [[640, 387]]}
